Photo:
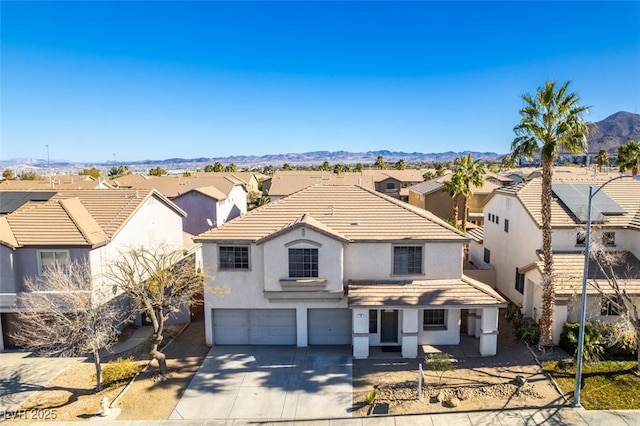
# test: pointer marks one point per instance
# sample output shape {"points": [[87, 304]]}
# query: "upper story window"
{"points": [[407, 260], [609, 239], [391, 185], [519, 281], [51, 259], [303, 262], [581, 238], [506, 225], [610, 306], [234, 257]]}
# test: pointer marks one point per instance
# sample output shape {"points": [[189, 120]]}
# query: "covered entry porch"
{"points": [[405, 316]]}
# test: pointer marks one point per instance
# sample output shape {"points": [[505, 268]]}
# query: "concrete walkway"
{"points": [[270, 382]]}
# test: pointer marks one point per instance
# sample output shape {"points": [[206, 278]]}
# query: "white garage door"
{"points": [[329, 326], [254, 326]]}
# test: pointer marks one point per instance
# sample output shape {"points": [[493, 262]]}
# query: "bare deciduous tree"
{"points": [[158, 282], [614, 288], [62, 313]]}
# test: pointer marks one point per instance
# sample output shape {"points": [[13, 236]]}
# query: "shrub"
{"points": [[119, 370], [370, 398], [440, 363], [601, 340], [528, 331]]}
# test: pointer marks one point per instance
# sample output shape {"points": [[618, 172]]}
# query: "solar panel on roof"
{"points": [[11, 201], [576, 196]]}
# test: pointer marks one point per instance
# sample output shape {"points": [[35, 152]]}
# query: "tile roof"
{"points": [[354, 212], [78, 217], [435, 185], [445, 293], [54, 183], [476, 234], [625, 192], [569, 268], [173, 186], [284, 183]]}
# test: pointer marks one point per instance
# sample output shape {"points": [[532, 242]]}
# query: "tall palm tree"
{"points": [[400, 164], [602, 159], [471, 173], [551, 119], [629, 157], [454, 188], [380, 163]]}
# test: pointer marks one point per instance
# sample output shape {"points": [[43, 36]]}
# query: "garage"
{"points": [[329, 326], [254, 326]]}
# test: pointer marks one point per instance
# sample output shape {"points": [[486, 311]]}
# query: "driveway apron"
{"points": [[270, 382]]}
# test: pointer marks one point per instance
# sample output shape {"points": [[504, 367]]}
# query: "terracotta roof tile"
{"points": [[354, 212]]}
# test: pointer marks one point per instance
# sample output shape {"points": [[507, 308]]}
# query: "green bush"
{"points": [[370, 398], [528, 331], [119, 370], [599, 341]]}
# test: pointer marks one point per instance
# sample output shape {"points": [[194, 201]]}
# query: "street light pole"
{"points": [[583, 302]]}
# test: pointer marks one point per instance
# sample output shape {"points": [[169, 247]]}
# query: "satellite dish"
{"points": [[209, 222]]}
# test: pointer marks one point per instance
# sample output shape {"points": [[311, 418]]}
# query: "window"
{"points": [[303, 263], [234, 257], [506, 225], [407, 260], [519, 281], [497, 220], [373, 321], [581, 238], [487, 255], [434, 318], [609, 239], [391, 185], [610, 306], [51, 259]]}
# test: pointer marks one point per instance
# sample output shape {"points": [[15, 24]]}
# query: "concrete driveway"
{"points": [[270, 382], [22, 374]]}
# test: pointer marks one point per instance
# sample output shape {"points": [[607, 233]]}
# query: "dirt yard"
{"points": [[70, 395]]}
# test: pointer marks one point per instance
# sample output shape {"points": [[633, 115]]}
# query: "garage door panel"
{"points": [[329, 326], [254, 326]]}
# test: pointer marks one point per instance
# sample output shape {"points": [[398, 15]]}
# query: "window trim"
{"points": [[39, 258], [434, 326], [581, 239], [607, 307], [519, 284], [486, 258], [234, 246], [393, 259]]}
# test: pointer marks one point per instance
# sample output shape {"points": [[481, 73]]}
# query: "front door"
{"points": [[389, 326]]}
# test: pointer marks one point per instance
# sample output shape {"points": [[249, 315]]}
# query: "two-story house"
{"points": [[343, 265], [511, 243], [38, 229]]}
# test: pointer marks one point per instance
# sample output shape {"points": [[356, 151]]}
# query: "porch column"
{"points": [[208, 324], [471, 323], [559, 318], [302, 327], [409, 333], [489, 332], [360, 332], [478, 331]]}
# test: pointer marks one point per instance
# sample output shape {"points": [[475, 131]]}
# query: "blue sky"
{"points": [[156, 80]]}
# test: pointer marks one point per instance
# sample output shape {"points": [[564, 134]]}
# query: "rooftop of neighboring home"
{"points": [[569, 202], [347, 212], [69, 217], [215, 185], [287, 182], [437, 184], [55, 183], [569, 269]]}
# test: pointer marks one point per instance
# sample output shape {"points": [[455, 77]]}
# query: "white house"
{"points": [[343, 265], [94, 226], [511, 243]]}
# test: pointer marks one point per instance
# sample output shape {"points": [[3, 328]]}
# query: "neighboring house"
{"points": [[429, 195], [209, 199], [40, 228], [62, 182], [395, 183], [286, 182], [511, 242], [343, 265]]}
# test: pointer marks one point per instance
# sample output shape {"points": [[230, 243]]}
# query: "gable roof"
{"points": [[625, 192], [173, 186], [437, 184], [350, 212], [286, 182], [55, 183], [77, 218]]}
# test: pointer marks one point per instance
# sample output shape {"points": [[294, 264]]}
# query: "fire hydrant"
{"points": [[104, 405]]}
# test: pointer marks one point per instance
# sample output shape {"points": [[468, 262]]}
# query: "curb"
{"points": [[548, 375], [145, 368]]}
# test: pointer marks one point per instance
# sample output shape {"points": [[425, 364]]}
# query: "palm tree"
{"points": [[400, 164], [324, 166], [629, 157], [471, 173], [441, 169], [286, 166], [602, 159], [454, 188], [551, 119], [380, 163]]}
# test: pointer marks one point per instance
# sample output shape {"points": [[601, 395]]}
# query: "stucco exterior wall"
{"points": [[199, 208], [233, 206], [448, 336], [7, 273]]}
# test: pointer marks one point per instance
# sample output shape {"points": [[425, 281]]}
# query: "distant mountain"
{"points": [[614, 131]]}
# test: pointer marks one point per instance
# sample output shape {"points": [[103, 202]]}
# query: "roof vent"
{"points": [[355, 223]]}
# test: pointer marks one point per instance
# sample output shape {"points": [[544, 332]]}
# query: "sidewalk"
{"points": [[543, 416], [140, 335]]}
